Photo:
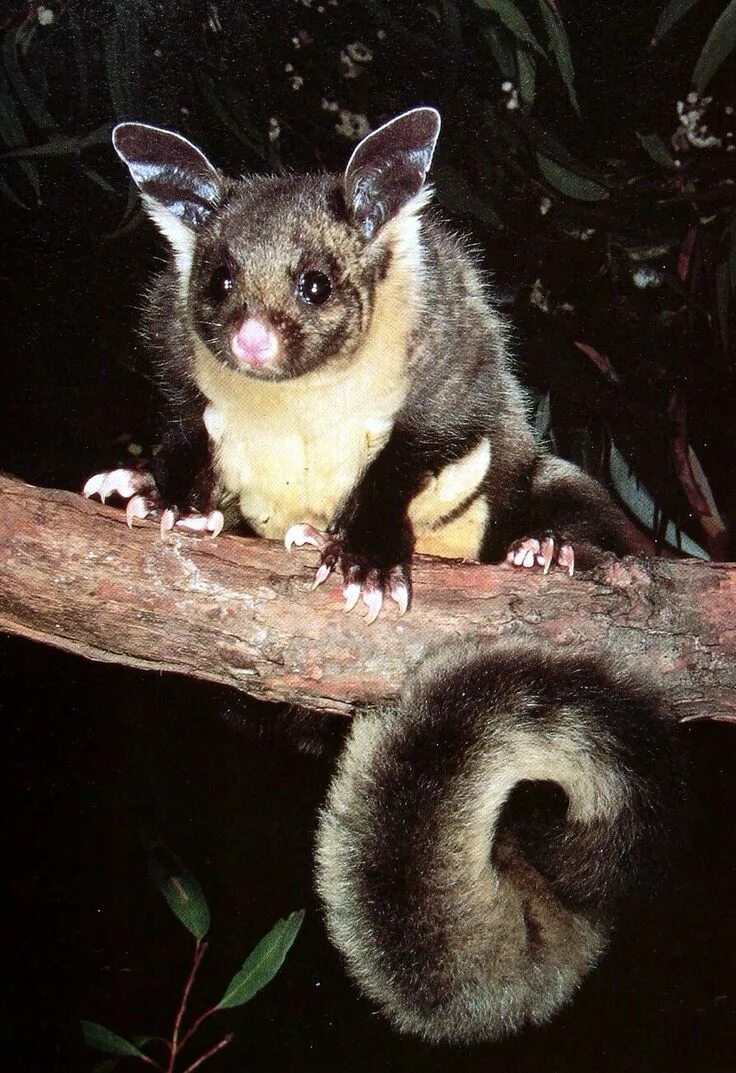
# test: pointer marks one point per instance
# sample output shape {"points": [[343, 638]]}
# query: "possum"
{"points": [[333, 371], [481, 841]]}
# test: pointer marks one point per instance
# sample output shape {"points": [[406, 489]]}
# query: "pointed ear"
{"points": [[178, 184], [388, 168]]}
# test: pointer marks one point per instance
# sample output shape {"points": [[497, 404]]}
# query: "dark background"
{"points": [[101, 758]]}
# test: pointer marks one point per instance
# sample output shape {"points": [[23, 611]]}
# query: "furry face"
{"points": [[280, 282]]}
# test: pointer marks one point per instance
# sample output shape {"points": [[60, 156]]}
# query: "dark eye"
{"points": [[221, 282], [314, 287]]}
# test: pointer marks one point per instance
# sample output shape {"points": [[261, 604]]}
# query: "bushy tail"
{"points": [[478, 839]]}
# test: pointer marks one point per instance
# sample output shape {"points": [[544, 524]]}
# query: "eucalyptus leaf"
{"points": [[527, 74], [102, 1039], [181, 890], [656, 149], [720, 43], [641, 504], [513, 20], [496, 39], [560, 45], [29, 99], [568, 183], [260, 967], [671, 15]]}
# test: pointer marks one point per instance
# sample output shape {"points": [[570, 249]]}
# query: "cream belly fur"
{"points": [[289, 462]]}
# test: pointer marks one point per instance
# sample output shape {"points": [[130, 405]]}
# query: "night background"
{"points": [[589, 150]]}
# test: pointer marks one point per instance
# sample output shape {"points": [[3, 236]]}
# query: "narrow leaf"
{"points": [[560, 45], [720, 43], [102, 1039], [641, 504], [656, 149], [180, 889], [32, 103], [527, 75], [495, 38], [260, 967], [671, 14], [601, 360], [513, 20], [568, 183]]}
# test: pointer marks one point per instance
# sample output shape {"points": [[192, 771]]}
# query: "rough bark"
{"points": [[241, 612]]}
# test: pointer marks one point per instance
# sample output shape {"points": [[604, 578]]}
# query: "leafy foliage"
{"points": [[184, 897]]}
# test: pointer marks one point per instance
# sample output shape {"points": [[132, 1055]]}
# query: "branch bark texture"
{"points": [[241, 612]]}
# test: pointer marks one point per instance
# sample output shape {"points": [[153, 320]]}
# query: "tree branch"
{"points": [[241, 612]]}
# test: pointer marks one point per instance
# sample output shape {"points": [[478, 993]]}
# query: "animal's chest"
{"points": [[291, 455], [300, 471]]}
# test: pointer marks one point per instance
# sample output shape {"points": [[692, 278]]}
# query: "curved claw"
{"points": [[351, 593], [547, 554], [168, 521], [138, 507], [304, 534], [373, 599], [323, 572], [211, 523], [399, 593], [566, 557], [122, 482]]}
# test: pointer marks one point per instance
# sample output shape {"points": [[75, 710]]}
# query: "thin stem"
{"points": [[150, 1062], [190, 1032], [199, 950], [213, 1050]]}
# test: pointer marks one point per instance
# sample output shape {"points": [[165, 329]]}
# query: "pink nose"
{"points": [[254, 343]]}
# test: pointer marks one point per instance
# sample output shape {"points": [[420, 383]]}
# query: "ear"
{"points": [[388, 168], [179, 186]]}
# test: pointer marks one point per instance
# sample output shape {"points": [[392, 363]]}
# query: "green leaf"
{"points": [[671, 15], [180, 889], [527, 74], [640, 502], [558, 42], [656, 149], [513, 20], [568, 183], [260, 967], [495, 37], [721, 42], [32, 103], [102, 1039]]}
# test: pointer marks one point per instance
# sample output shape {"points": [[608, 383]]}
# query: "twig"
{"points": [[175, 1046], [213, 1050]]}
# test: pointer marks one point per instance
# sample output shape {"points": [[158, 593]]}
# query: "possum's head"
{"points": [[280, 275]]}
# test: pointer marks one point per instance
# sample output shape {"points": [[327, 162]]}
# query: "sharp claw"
{"points": [[216, 522], [400, 595], [168, 520], [93, 485], [323, 572], [137, 508], [548, 555], [303, 534], [351, 593], [373, 599]]}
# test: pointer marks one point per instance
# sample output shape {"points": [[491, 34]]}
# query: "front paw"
{"points": [[365, 576], [542, 550], [139, 488]]}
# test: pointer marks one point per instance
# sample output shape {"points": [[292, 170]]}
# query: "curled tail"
{"points": [[478, 840]]}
